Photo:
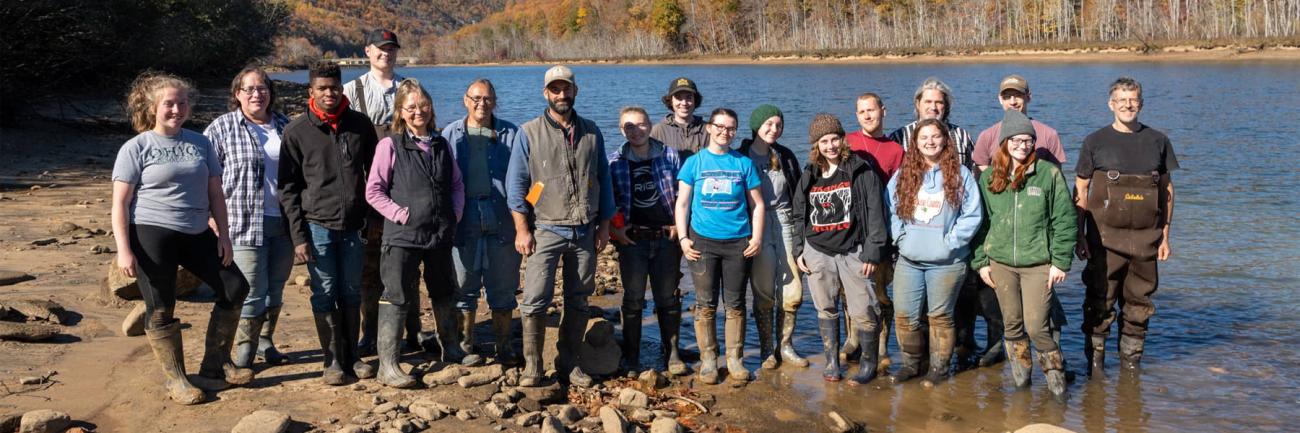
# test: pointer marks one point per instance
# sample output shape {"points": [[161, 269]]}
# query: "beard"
{"points": [[561, 105]]}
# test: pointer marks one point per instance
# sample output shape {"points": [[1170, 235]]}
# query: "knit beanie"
{"points": [[1015, 123], [824, 124], [761, 114]]}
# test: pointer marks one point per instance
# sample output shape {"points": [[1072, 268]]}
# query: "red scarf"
{"points": [[329, 118]]}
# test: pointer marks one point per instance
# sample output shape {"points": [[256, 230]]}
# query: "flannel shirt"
{"points": [[958, 137], [666, 161], [242, 179]]}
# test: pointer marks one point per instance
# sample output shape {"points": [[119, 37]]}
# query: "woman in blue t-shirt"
{"points": [[720, 207], [166, 184]]}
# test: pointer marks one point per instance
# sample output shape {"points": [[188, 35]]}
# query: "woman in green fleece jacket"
{"points": [[1026, 247]]}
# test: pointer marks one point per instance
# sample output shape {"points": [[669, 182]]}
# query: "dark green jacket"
{"points": [[1033, 226]]}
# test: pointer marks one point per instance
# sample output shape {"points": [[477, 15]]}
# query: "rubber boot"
{"points": [[1053, 369], [788, 355], [942, 338], [247, 340], [1094, 350], [830, 332], [168, 349], [466, 320], [352, 362], [505, 353], [369, 320], [886, 322], [573, 325], [1021, 364], [763, 318], [446, 319], [868, 364], [411, 340], [993, 353], [670, 324], [910, 343], [266, 345], [534, 338], [329, 330], [706, 336], [734, 327], [217, 372], [849, 352], [631, 321], [392, 318], [1130, 352]]}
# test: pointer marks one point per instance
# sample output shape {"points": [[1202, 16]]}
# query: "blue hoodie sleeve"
{"points": [[972, 214], [518, 178], [895, 223]]}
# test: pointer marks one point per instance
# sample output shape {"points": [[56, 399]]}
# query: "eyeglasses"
{"points": [[1127, 101], [255, 89], [479, 100], [1020, 142], [421, 108], [631, 125], [725, 129]]}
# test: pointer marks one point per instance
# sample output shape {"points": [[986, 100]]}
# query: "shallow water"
{"points": [[1222, 353]]}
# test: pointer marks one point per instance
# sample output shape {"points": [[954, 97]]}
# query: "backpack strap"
{"points": [[360, 105]]}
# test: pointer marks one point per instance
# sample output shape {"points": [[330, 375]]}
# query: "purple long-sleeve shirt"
{"points": [[381, 174]]}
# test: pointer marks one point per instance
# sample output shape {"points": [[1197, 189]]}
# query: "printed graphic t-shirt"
{"points": [[719, 185], [170, 175], [830, 209], [647, 203]]}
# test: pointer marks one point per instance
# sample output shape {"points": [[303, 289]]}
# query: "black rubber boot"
{"points": [[942, 338], [573, 324], [763, 321], [869, 362], [446, 318], [466, 321], [830, 332], [217, 372], [411, 340], [1052, 368], [1130, 352], [170, 353], [670, 324], [786, 346], [1094, 350], [849, 352], [631, 320], [329, 330], [993, 352], [391, 320], [369, 320], [1021, 364], [534, 338], [352, 362], [706, 336], [247, 340], [266, 344], [910, 343], [734, 329], [505, 353]]}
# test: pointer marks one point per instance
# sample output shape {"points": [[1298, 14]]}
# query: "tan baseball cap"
{"points": [[558, 73], [1014, 81]]}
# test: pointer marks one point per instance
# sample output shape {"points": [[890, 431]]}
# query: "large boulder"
{"points": [[118, 285], [27, 331], [44, 421]]}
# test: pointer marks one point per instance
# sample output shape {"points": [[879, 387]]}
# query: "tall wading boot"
{"points": [[369, 318], [447, 319], [910, 346], [392, 318], [505, 353], [534, 338], [266, 344], [734, 327], [786, 347], [886, 322], [763, 318], [942, 338], [670, 323], [706, 336], [1094, 350], [1052, 368], [167, 348], [466, 320], [247, 340], [631, 321], [573, 325], [993, 352], [850, 350], [830, 332], [352, 362], [1021, 363], [1130, 352], [867, 366], [412, 338], [329, 330], [217, 371]]}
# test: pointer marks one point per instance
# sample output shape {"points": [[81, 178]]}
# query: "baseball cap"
{"points": [[381, 37], [1014, 81], [681, 84], [558, 73]]}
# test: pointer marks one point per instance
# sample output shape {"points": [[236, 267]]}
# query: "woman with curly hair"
{"points": [[935, 210], [166, 184]]}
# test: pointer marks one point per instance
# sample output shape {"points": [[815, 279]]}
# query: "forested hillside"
{"points": [[336, 28]]}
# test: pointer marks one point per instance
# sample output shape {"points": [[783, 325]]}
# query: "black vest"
{"points": [[422, 184]]}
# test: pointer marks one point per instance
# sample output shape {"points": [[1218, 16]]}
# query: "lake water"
{"points": [[1222, 354]]}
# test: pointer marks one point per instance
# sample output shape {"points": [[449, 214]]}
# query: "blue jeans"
{"points": [[266, 267], [335, 268], [925, 288], [658, 260], [485, 261]]}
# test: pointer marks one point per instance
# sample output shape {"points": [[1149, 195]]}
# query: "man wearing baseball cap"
{"points": [[1013, 94], [681, 128], [559, 193]]}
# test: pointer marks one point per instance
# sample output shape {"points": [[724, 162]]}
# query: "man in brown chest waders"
{"points": [[1126, 200]]}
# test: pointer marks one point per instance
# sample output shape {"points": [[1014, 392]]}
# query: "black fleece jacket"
{"points": [[868, 207]]}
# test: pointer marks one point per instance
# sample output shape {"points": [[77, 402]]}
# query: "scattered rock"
{"points": [[37, 310], [840, 424], [13, 277], [500, 398], [44, 242], [447, 376], [665, 414], [513, 394], [494, 370], [599, 353], [529, 419], [629, 398], [9, 422], [529, 404], [665, 425], [134, 323], [351, 429], [44, 421], [384, 408], [569, 415], [552, 424], [498, 411], [263, 421], [641, 415], [100, 249], [653, 379], [27, 331], [465, 415], [31, 380], [429, 410], [612, 420], [473, 380], [548, 394]]}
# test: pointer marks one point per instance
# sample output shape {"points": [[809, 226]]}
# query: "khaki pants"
{"points": [[1026, 304]]}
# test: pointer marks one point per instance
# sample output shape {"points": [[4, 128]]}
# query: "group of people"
{"points": [[919, 227]]}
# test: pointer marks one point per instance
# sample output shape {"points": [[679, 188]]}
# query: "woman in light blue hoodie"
{"points": [[934, 205]]}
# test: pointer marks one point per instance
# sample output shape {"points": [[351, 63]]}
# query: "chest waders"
{"points": [[1125, 228]]}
